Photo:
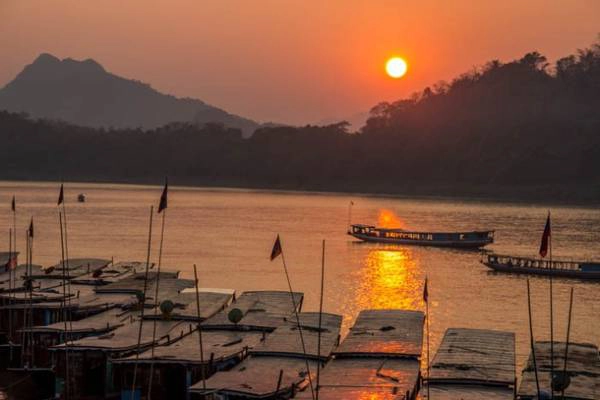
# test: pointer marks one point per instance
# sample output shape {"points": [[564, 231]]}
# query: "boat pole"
{"points": [[202, 369], [62, 201], [14, 211], [564, 376], [551, 312], [537, 381], [10, 256], [143, 303], [350, 214], [66, 327], [320, 320], [426, 296], [287, 276], [162, 208]]}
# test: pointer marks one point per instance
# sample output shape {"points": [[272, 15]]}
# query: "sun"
{"points": [[396, 67]]}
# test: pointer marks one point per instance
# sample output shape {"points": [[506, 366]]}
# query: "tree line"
{"points": [[524, 123]]}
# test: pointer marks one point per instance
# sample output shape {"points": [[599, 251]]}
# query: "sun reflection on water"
{"points": [[390, 278]]}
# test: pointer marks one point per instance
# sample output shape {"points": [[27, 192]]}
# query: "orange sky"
{"points": [[285, 60]]}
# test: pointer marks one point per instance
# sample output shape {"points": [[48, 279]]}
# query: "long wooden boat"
{"points": [[465, 240], [537, 266], [473, 364]]}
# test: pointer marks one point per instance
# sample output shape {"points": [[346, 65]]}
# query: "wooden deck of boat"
{"points": [[385, 333], [257, 376], [468, 392], [261, 310], [583, 367], [74, 267], [135, 282], [378, 359], [17, 275]]}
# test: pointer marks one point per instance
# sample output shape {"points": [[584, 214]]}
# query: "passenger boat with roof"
{"points": [[465, 240], [538, 266]]}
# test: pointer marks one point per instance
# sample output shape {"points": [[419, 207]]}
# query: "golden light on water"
{"points": [[390, 279]]}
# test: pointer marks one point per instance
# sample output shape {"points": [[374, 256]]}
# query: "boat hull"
{"points": [[564, 273], [460, 244]]}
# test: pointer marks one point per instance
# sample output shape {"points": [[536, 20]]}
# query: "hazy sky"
{"points": [[290, 61]]}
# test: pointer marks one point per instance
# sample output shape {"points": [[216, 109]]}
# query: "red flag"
{"points": [[30, 230], [276, 249], [425, 292], [61, 195], [546, 238], [163, 197]]}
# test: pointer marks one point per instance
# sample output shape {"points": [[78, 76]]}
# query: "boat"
{"points": [[81, 197], [465, 240], [538, 266]]}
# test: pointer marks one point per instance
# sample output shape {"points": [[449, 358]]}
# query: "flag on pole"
{"points": [[13, 205], [61, 195], [545, 238], [30, 230], [163, 197], [425, 292], [276, 249]]}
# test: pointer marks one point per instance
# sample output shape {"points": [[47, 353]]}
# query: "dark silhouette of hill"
{"points": [[520, 130], [83, 93]]}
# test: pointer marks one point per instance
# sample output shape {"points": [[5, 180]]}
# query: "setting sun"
{"points": [[396, 67]]}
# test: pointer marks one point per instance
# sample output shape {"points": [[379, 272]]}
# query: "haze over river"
{"points": [[229, 235]]}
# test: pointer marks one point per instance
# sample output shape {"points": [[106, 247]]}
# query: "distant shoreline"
{"points": [[577, 195]]}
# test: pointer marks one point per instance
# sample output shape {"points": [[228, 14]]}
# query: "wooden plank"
{"points": [[389, 333], [583, 367], [285, 340], [475, 356], [112, 273], [257, 378], [261, 310]]}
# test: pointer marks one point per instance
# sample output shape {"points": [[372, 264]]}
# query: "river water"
{"points": [[229, 235]]}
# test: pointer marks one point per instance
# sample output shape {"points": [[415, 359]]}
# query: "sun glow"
{"points": [[396, 67], [388, 219]]}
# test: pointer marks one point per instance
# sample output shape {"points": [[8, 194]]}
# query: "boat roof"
{"points": [[384, 333], [470, 392], [257, 377], [422, 232], [474, 356], [87, 302], [218, 345], [285, 340], [185, 307], [112, 273], [367, 378], [125, 338], [583, 366], [135, 283], [261, 310], [102, 322]]}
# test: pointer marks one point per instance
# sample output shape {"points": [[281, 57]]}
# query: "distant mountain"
{"points": [[84, 93]]}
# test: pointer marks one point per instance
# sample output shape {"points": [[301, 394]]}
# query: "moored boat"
{"points": [[538, 266], [465, 240]]}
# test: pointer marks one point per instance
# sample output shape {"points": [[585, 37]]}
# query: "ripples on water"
{"points": [[229, 234]]}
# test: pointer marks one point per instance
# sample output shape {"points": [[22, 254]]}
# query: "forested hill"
{"points": [[523, 129]]}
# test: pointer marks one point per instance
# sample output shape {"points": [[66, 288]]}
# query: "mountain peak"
{"points": [[84, 93]]}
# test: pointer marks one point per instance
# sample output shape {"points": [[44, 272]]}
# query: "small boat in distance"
{"points": [[464, 240], [538, 266], [81, 197]]}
